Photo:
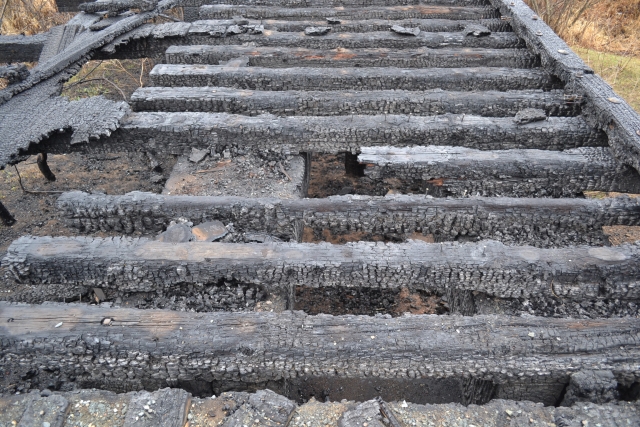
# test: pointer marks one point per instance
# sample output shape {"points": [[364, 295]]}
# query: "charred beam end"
{"points": [[455, 171], [303, 78], [371, 12], [488, 267], [44, 167], [179, 132], [606, 109], [337, 103], [302, 57], [524, 356], [21, 48], [14, 73], [541, 222]]}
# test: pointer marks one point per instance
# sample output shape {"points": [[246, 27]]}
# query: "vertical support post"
{"points": [[351, 165], [6, 216], [44, 167]]}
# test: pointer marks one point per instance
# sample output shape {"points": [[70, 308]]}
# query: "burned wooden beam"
{"points": [[380, 57], [336, 103], [340, 3], [308, 78], [541, 222], [456, 171], [225, 11], [179, 132], [486, 267], [526, 357]]}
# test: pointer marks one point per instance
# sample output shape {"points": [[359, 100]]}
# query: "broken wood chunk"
{"points": [[530, 115], [6, 216], [209, 231], [476, 30], [176, 233]]}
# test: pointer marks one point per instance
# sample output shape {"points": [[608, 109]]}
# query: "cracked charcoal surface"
{"points": [[336, 103], [538, 222], [459, 172]]}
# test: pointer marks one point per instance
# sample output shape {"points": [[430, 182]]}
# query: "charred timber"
{"points": [[338, 103], [153, 40], [372, 12], [178, 132], [526, 358], [308, 78], [21, 48], [488, 267], [541, 222], [456, 171], [301, 57], [336, 3]]}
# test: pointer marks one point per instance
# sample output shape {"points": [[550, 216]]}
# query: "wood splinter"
{"points": [[44, 167]]}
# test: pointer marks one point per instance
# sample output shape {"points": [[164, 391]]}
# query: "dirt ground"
{"points": [[36, 213], [328, 178], [340, 301]]}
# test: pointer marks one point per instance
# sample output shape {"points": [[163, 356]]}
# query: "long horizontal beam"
{"points": [[541, 222], [337, 3], [368, 25], [488, 267], [177, 133], [457, 171], [528, 358], [308, 78], [338, 103], [381, 57], [372, 12]]}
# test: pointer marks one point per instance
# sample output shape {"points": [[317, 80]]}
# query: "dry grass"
{"points": [[30, 17]]}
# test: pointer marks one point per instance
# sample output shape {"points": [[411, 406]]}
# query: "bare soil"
{"points": [[36, 213], [340, 301], [328, 178]]}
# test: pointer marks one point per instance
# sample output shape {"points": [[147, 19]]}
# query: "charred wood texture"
{"points": [[44, 167], [538, 222], [5, 215], [307, 78], [529, 358], [487, 267], [336, 103], [177, 133], [457, 171], [21, 48]]}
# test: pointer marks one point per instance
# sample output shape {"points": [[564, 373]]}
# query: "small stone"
{"points": [[535, 17], [198, 155], [209, 231], [509, 412], [58, 325], [333, 21], [41, 413], [563, 52], [190, 416], [398, 29], [538, 33], [614, 100], [531, 334], [156, 178], [529, 115], [316, 31], [176, 233], [476, 30], [404, 404], [107, 321], [45, 393], [46, 424]]}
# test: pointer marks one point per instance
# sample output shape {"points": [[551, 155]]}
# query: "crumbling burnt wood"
{"points": [[487, 267], [152, 40], [308, 78], [338, 3], [539, 222], [458, 171], [336, 103], [279, 57], [372, 12], [530, 357], [177, 133], [364, 26]]}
